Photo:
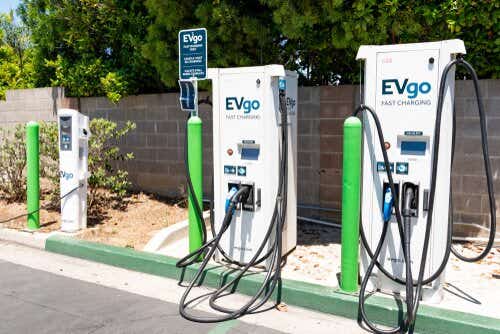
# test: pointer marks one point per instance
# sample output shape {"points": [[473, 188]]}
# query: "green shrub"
{"points": [[104, 159], [107, 184], [49, 158], [12, 163]]}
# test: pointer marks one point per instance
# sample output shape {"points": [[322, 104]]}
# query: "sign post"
{"points": [[193, 67]]}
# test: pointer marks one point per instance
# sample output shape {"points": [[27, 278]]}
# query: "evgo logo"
{"points": [[413, 89], [247, 105]]}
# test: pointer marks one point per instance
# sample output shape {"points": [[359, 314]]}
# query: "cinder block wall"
{"points": [[470, 199], [158, 140], [24, 105]]}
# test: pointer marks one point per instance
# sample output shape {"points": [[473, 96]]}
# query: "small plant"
{"points": [[13, 163], [49, 159], [104, 158], [107, 184]]}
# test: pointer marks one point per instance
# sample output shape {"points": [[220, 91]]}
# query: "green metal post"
{"points": [[351, 178], [195, 161], [33, 174]]}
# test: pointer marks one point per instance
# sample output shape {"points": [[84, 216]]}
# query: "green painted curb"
{"points": [[431, 320]]}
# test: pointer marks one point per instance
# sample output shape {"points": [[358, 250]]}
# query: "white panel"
{"points": [[246, 113], [74, 133], [401, 85]]}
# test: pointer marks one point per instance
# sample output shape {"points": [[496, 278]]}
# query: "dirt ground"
{"points": [[143, 216], [317, 255], [316, 258]]}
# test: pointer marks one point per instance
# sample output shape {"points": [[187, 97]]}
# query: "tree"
{"points": [[16, 70], [118, 47], [325, 34], [91, 47], [240, 33]]}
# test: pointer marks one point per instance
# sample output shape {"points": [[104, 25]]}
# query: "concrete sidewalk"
{"points": [[48, 293]]}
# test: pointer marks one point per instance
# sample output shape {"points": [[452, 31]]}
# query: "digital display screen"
{"points": [[413, 147], [250, 153], [65, 133]]}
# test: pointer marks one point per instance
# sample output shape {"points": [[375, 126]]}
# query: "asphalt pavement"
{"points": [[43, 292], [35, 301]]}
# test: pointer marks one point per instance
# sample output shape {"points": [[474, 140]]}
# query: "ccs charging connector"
{"points": [[248, 197], [410, 200]]}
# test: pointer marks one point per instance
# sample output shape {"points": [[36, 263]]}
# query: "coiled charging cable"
{"points": [[413, 299], [273, 255]]}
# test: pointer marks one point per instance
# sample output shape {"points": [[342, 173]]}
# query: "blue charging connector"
{"points": [[229, 196], [388, 202]]}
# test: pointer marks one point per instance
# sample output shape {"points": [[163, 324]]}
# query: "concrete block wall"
{"points": [[158, 140], [470, 199], [337, 103], [24, 105]]}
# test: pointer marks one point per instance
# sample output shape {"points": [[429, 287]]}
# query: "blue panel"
{"points": [[381, 166], [413, 147], [250, 153], [187, 96], [193, 54], [229, 169], [402, 168], [242, 171]]}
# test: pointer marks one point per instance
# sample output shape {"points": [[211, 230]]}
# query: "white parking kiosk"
{"points": [[74, 135]]}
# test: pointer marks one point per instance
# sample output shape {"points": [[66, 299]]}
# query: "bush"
{"points": [[108, 184], [49, 158], [13, 163], [104, 159]]}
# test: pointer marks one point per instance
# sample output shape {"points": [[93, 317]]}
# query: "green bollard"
{"points": [[351, 195], [33, 174], [195, 161]]}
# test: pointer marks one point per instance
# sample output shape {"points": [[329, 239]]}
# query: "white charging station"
{"points": [[246, 146], [401, 84], [74, 135]]}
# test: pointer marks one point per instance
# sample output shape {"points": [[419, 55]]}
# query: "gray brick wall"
{"points": [[24, 105], [157, 142], [470, 199]]}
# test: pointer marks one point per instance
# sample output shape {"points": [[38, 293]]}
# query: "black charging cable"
{"points": [[273, 255], [408, 282], [413, 297]]}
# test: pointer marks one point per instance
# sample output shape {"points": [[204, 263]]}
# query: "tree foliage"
{"points": [[240, 33], [91, 47], [117, 47], [326, 34], [16, 70], [320, 38]]}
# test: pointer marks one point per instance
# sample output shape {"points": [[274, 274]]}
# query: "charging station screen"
{"points": [[413, 147], [65, 140]]}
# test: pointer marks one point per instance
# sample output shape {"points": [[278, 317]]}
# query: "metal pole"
{"points": [[351, 177], [33, 174]]}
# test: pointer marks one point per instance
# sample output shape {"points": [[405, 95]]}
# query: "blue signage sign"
{"points": [[193, 54], [188, 97]]}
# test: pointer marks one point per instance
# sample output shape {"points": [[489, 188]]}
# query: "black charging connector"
{"points": [[247, 200], [410, 200]]}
